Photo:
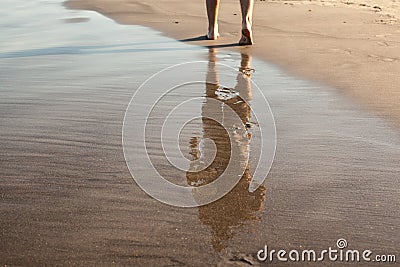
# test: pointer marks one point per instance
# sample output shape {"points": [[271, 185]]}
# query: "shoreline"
{"points": [[352, 47], [69, 197]]}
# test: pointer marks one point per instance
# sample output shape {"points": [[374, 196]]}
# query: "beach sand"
{"points": [[352, 45], [68, 197]]}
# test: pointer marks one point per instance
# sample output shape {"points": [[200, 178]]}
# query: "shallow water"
{"points": [[66, 80]]}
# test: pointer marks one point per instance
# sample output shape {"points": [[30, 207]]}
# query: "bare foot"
{"points": [[213, 34], [247, 37]]}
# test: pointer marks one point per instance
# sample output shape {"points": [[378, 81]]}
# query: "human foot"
{"points": [[213, 33], [247, 37]]}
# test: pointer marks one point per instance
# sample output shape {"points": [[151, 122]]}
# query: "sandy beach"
{"points": [[352, 45], [66, 81]]}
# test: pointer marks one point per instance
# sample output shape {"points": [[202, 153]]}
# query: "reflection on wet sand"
{"points": [[225, 215]]}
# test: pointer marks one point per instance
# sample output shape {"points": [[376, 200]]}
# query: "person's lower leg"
{"points": [[212, 14], [247, 21]]}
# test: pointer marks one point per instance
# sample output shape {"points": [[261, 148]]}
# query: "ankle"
{"points": [[213, 28], [246, 25]]}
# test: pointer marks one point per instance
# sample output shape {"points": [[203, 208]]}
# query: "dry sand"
{"points": [[352, 45]]}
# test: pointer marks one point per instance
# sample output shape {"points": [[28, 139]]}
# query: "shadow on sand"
{"points": [[204, 38]]}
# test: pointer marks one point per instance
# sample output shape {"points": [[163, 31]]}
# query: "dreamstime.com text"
{"points": [[340, 254]]}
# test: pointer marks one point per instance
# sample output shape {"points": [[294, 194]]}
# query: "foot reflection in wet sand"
{"points": [[226, 215]]}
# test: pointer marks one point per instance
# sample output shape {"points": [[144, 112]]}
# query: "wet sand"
{"points": [[352, 45], [68, 197]]}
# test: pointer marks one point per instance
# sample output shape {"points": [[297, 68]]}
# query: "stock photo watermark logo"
{"points": [[339, 253], [192, 130]]}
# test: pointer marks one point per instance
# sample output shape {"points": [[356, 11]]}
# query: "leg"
{"points": [[247, 20], [212, 14]]}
